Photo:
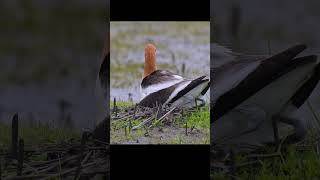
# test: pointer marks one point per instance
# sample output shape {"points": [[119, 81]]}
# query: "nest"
{"points": [[71, 159], [150, 116]]}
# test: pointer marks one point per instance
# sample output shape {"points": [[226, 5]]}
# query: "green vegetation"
{"points": [[171, 131], [200, 119], [297, 162], [36, 135]]}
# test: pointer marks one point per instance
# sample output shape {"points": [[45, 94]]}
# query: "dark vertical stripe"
{"points": [[304, 92]]}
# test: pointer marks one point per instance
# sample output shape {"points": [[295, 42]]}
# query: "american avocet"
{"points": [[161, 87], [251, 93], [101, 131]]}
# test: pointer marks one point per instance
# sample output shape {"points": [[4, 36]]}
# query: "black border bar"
{"points": [[162, 10]]}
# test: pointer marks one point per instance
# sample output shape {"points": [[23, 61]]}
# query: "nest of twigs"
{"points": [[85, 158], [150, 116], [72, 159]]}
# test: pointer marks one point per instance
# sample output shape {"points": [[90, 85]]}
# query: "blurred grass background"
{"points": [[247, 26], [50, 52], [44, 40]]}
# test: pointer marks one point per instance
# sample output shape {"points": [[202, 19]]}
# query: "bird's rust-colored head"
{"points": [[150, 60]]}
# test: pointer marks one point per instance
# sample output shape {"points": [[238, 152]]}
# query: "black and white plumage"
{"points": [[249, 92], [166, 88]]}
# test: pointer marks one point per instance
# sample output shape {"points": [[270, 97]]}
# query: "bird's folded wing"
{"points": [[159, 80], [173, 93], [235, 82]]}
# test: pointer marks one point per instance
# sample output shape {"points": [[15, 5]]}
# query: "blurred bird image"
{"points": [[162, 87], [253, 93], [101, 131]]}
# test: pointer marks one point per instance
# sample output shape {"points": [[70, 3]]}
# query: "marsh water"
{"points": [[182, 48]]}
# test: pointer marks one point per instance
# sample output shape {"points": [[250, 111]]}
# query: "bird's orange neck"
{"points": [[106, 48], [150, 60]]}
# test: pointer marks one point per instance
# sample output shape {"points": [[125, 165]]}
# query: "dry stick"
{"points": [[14, 136], [186, 122], [54, 165], [134, 116], [30, 169], [125, 130], [279, 148], [16, 163], [234, 177], [232, 168], [183, 69], [276, 154], [0, 169], [69, 171], [196, 103], [59, 166], [20, 157], [217, 166], [275, 131], [45, 176], [114, 104], [269, 47], [83, 143], [40, 176], [96, 148], [149, 119], [248, 163], [86, 158], [156, 116], [123, 117], [95, 172], [116, 107], [142, 123], [100, 142], [25, 177], [164, 116], [264, 155]]}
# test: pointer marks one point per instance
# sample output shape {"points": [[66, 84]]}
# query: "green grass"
{"points": [[296, 164], [200, 119], [36, 135], [121, 104]]}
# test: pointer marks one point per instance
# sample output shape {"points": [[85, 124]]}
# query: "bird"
{"points": [[253, 93], [162, 87], [102, 94]]}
